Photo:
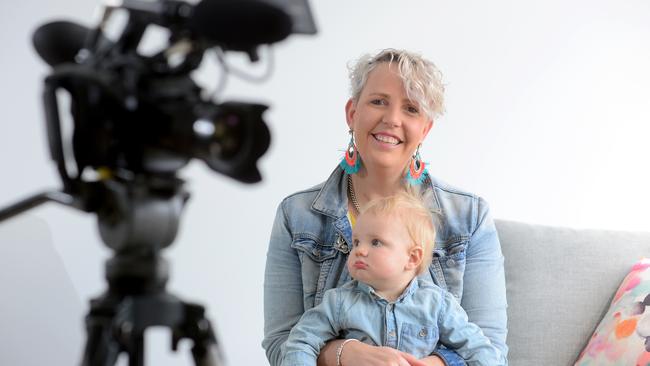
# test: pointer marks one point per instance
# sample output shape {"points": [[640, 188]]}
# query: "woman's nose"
{"points": [[392, 116]]}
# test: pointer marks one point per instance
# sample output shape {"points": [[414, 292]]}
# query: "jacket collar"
{"points": [[332, 198]]}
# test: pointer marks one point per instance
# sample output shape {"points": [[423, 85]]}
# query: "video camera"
{"points": [[145, 114], [137, 119]]}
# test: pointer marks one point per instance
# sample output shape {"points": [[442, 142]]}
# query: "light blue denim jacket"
{"points": [[311, 237], [421, 317]]}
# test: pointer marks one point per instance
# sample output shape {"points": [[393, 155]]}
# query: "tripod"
{"points": [[138, 119], [117, 320], [137, 219]]}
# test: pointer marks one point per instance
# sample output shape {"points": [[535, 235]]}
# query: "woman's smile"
{"points": [[388, 139]]}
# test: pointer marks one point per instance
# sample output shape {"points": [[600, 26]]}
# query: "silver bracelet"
{"points": [[339, 350]]}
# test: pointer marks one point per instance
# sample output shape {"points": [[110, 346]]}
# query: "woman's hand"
{"points": [[361, 354]]}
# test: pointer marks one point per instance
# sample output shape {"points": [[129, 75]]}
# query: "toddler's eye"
{"points": [[375, 242], [355, 242]]}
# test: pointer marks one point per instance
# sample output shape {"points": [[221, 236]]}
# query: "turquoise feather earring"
{"points": [[351, 162], [417, 170]]}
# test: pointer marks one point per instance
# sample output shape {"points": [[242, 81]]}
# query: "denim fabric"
{"points": [[311, 237], [450, 357], [414, 323]]}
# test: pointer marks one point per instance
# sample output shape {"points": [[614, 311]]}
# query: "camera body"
{"points": [[137, 119], [140, 114]]}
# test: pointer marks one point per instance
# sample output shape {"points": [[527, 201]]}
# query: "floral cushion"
{"points": [[623, 335]]}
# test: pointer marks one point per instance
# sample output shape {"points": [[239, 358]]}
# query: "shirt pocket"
{"points": [[418, 340], [449, 259], [315, 260]]}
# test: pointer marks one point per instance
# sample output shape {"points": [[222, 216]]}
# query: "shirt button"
{"points": [[423, 332], [391, 333], [451, 262]]}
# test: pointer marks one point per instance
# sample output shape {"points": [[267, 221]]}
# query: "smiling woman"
{"points": [[387, 125], [395, 97]]}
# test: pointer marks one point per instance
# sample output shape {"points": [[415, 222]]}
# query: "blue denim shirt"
{"points": [[311, 238], [423, 315]]}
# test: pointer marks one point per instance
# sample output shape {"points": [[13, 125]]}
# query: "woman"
{"points": [[395, 97]]}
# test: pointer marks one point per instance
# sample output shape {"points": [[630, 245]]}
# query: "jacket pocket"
{"points": [[313, 248], [418, 340], [448, 265], [316, 261]]}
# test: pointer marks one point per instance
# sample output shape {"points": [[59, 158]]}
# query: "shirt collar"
{"points": [[410, 289]]}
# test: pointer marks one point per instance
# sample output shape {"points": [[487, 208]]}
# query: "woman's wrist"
{"points": [[327, 355], [339, 350]]}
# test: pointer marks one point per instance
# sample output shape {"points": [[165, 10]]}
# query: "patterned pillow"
{"points": [[623, 336]]}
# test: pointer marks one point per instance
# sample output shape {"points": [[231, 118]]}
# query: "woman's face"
{"points": [[387, 126]]}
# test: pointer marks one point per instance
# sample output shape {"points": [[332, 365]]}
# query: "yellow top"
{"points": [[352, 219]]}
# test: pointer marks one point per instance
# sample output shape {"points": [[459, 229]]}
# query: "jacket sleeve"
{"points": [[450, 357], [484, 288], [317, 326], [465, 338], [283, 293]]}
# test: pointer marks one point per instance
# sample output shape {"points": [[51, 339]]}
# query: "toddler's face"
{"points": [[380, 250]]}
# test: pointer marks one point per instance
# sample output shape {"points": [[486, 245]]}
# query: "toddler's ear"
{"points": [[415, 257]]}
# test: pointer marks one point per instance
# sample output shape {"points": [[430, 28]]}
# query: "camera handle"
{"points": [[36, 200]]}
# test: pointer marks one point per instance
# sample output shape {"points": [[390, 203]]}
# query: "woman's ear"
{"points": [[415, 257], [350, 110], [427, 128]]}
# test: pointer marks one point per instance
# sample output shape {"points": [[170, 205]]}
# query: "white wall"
{"points": [[548, 111]]}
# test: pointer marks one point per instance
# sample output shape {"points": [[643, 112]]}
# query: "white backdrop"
{"points": [[548, 111]]}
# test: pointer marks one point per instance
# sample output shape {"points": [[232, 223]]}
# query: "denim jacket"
{"points": [[311, 238], [423, 315]]}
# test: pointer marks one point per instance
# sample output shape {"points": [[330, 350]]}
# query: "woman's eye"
{"points": [[377, 102], [375, 242], [412, 110]]}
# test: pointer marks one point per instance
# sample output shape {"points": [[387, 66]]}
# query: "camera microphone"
{"points": [[240, 24], [59, 42]]}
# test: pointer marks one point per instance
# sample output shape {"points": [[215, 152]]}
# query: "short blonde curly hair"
{"points": [[422, 79]]}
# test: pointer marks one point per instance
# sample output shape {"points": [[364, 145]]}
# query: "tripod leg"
{"points": [[206, 350], [197, 327], [136, 351], [100, 349], [207, 356]]}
